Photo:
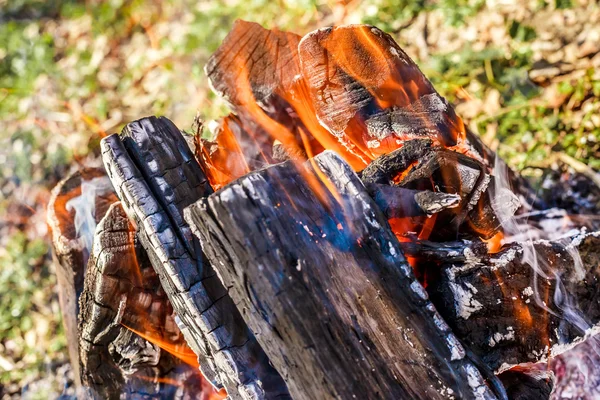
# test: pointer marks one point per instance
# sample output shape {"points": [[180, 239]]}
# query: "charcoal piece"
{"points": [[156, 176], [323, 284], [440, 252], [122, 292], [386, 168], [509, 311], [70, 245], [398, 202]]}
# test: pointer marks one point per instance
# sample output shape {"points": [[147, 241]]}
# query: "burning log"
{"points": [[122, 295], [155, 176], [365, 87], [72, 231], [525, 304], [321, 280]]}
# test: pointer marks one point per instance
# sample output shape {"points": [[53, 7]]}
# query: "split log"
{"points": [[71, 244], [509, 311], [155, 175], [364, 86], [121, 294], [323, 284]]}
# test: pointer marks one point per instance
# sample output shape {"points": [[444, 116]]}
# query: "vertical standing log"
{"points": [[122, 296], [323, 283], [70, 250], [155, 175]]}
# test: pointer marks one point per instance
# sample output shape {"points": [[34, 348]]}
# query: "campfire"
{"points": [[341, 234]]}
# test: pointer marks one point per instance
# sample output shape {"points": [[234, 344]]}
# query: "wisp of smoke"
{"points": [[84, 206]]}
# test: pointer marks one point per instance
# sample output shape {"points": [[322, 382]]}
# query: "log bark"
{"points": [[509, 311], [324, 286], [70, 248], [121, 295], [155, 175]]}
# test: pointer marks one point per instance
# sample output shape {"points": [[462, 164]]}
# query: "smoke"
{"points": [[84, 206], [517, 229]]}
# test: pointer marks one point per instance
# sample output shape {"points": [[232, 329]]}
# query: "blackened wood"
{"points": [[398, 202], [155, 175], [69, 249], [325, 287], [527, 384], [509, 311], [384, 169], [442, 252], [122, 292]]}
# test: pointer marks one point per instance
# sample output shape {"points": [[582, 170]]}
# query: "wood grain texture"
{"points": [[326, 290], [69, 250], [361, 81], [155, 176]]}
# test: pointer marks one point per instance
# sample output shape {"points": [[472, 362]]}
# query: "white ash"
{"points": [[528, 291], [464, 302], [498, 337]]}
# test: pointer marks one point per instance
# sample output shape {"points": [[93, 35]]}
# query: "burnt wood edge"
{"points": [[115, 361], [69, 257], [206, 314], [505, 310]]}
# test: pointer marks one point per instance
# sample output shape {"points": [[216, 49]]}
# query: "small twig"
{"points": [[580, 167]]}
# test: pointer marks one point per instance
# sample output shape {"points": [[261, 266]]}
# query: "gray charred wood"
{"points": [[508, 311], [326, 290], [156, 176]]}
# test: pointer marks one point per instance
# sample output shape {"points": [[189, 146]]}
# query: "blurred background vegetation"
{"points": [[524, 74]]}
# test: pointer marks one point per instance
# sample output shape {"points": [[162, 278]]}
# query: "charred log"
{"points": [[509, 311], [361, 81], [386, 168], [442, 252], [324, 286], [71, 245], [122, 294], [155, 176]]}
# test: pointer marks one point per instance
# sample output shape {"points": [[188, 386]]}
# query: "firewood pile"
{"points": [[341, 235]]}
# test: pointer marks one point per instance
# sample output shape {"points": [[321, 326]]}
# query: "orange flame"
{"points": [[334, 82], [179, 350]]}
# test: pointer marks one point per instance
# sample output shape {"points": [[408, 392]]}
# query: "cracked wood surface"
{"points": [[326, 290], [122, 291], [509, 311], [156, 176], [69, 250]]}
